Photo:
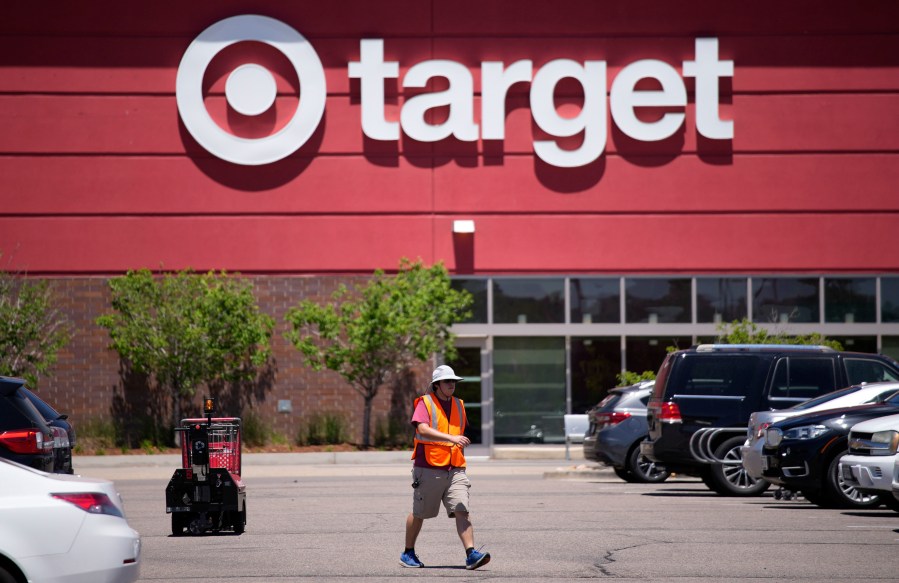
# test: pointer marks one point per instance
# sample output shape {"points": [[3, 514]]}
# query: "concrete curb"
{"points": [[474, 453]]}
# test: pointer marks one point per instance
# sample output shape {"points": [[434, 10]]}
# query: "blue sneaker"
{"points": [[476, 559], [410, 559]]}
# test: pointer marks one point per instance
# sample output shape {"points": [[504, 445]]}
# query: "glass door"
{"points": [[472, 364]]}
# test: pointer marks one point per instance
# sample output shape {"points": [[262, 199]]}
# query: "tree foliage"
{"points": [[628, 378], [369, 334], [187, 329], [32, 329], [747, 332], [740, 332]]}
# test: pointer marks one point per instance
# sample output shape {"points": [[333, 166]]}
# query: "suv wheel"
{"points": [[731, 479], [839, 494], [643, 470]]}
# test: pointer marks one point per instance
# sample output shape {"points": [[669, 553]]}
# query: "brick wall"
{"points": [[88, 382]]}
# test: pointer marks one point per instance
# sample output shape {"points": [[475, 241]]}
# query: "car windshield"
{"points": [[825, 398]]}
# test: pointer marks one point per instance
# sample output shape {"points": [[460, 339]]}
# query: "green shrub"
{"points": [[628, 378], [255, 432], [392, 434], [323, 429], [97, 435], [279, 438]]}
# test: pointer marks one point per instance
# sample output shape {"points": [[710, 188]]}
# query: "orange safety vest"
{"points": [[442, 453]]}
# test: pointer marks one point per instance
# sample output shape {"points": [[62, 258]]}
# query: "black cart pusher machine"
{"points": [[206, 493]]}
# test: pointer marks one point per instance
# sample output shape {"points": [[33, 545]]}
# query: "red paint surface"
{"points": [[99, 175]]}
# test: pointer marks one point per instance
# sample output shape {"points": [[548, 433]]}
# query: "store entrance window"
{"points": [[647, 354], [529, 389], [468, 366], [784, 300], [857, 343], [850, 300], [595, 364]]}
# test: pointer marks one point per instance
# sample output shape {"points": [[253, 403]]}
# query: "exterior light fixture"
{"points": [[466, 226]]}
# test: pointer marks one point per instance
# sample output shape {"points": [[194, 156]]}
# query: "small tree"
{"points": [[187, 329], [747, 332], [371, 334], [32, 329]]}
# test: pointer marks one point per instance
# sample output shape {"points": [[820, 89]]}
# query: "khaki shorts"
{"points": [[436, 486]]}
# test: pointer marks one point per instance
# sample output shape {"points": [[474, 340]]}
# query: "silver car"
{"points": [[848, 397], [617, 426]]}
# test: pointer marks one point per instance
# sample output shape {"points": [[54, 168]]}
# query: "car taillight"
{"points": [[60, 437], [92, 502], [24, 441], [604, 420], [669, 413]]}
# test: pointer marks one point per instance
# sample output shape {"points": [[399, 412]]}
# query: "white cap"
{"points": [[443, 373]]}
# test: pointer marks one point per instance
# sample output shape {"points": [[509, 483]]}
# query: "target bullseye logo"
{"points": [[250, 90]]}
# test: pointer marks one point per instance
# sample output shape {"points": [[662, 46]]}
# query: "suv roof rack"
{"points": [[760, 347]]}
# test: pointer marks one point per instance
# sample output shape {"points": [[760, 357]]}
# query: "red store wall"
{"points": [[99, 175]]}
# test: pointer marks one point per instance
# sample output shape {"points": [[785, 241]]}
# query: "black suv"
{"points": [[703, 398], [63, 432], [25, 436]]}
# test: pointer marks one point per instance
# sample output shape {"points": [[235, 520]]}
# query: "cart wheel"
{"points": [[178, 524], [240, 520]]}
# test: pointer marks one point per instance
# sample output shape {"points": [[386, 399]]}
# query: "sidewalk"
{"points": [[473, 453], [547, 462]]}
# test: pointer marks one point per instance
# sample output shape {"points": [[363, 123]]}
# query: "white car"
{"points": [[58, 528], [751, 450], [873, 449]]}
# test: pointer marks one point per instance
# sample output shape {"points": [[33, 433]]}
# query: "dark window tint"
{"points": [[889, 299], [803, 378], [850, 300], [648, 354], [16, 412], [595, 300], [721, 299], [862, 370], [595, 364], [478, 290], [712, 375], [785, 299], [857, 343], [528, 301], [657, 300]]}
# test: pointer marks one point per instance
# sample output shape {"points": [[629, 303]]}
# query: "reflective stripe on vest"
{"points": [[432, 406]]}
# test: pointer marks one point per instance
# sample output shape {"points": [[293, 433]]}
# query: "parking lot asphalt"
{"points": [[541, 519]]}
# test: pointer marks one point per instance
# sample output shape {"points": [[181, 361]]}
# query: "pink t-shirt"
{"points": [[421, 415]]}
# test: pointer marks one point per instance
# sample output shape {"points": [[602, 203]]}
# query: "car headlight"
{"points": [[773, 437], [760, 430], [885, 443], [805, 432]]}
